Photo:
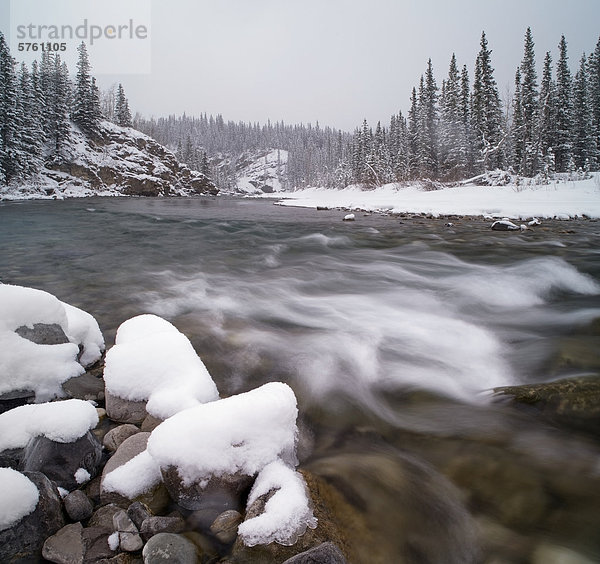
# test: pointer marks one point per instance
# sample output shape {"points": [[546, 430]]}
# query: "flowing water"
{"points": [[392, 332]]}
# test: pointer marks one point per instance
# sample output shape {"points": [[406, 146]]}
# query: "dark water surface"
{"points": [[392, 332]]}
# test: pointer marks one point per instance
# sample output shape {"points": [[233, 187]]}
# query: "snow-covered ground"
{"points": [[562, 200]]}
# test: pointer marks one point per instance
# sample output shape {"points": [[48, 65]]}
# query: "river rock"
{"points": [[572, 402], [224, 527], [154, 525], [88, 386], [23, 541], [115, 437], [15, 398], [66, 546], [43, 334], [11, 458], [225, 492], [324, 498], [129, 539], [60, 461], [78, 506], [128, 449], [123, 410], [168, 547], [326, 553], [97, 546], [553, 554], [138, 512]]}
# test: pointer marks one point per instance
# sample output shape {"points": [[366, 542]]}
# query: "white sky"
{"points": [[335, 61]]}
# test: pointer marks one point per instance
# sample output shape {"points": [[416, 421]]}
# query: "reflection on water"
{"points": [[392, 333]]}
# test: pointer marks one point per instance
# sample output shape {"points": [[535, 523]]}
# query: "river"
{"points": [[392, 331]]}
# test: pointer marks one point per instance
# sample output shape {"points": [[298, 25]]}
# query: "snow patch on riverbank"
{"points": [[561, 200]]}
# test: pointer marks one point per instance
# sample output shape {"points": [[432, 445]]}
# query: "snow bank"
{"points": [[152, 361], [60, 421], [25, 365], [287, 513], [242, 433], [565, 199], [19, 497]]}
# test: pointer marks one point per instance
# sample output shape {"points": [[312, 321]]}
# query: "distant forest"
{"points": [[452, 132]]}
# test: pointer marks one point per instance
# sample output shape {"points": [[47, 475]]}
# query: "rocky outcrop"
{"points": [[118, 161]]}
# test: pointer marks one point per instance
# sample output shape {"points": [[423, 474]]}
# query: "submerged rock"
{"points": [[572, 402], [326, 553]]}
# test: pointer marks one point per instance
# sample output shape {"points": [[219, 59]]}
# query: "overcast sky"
{"points": [[335, 61]]}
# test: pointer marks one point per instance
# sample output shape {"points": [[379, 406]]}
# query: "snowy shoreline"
{"points": [[560, 200]]}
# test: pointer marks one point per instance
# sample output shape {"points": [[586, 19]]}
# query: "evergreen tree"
{"points": [[529, 106], [547, 124], [122, 113], [413, 136], [594, 97], [584, 144], [517, 126], [9, 118], [465, 117], [429, 145], [86, 102], [31, 134], [563, 148], [486, 112], [59, 109], [452, 134]]}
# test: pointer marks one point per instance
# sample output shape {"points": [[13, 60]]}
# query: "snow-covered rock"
{"points": [[504, 225], [18, 497], [153, 362], [25, 314], [61, 421], [218, 447], [119, 161], [349, 217]]}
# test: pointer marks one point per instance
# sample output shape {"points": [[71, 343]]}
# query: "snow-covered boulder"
{"points": [[43, 342], [54, 438], [223, 447], [30, 511], [154, 368]]}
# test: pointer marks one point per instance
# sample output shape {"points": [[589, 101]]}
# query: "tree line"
{"points": [[462, 129], [38, 106]]}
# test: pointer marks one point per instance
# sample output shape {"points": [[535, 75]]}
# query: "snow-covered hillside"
{"points": [[561, 199], [119, 161], [258, 172]]}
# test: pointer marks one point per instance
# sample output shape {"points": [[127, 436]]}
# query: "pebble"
{"points": [[168, 547], [78, 506], [66, 546], [226, 525]]}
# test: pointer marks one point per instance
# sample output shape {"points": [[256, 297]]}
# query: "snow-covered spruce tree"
{"points": [[429, 145], [31, 133], [122, 113], [530, 165], [584, 144], [9, 122], [465, 116], [547, 117], [563, 148], [59, 107], [413, 136], [486, 112], [86, 100], [517, 149], [594, 97], [453, 141]]}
